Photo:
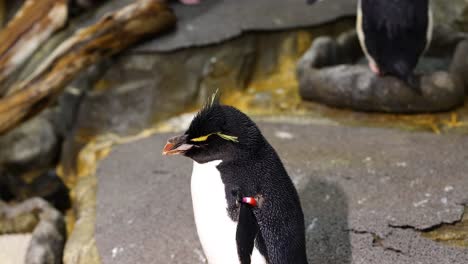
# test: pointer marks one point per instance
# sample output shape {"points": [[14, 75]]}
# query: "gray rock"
{"points": [[33, 144], [140, 89], [454, 15], [322, 53], [27, 154], [356, 87], [48, 236], [348, 46], [214, 21], [48, 239], [328, 51], [459, 66], [362, 203], [46, 185], [444, 41]]}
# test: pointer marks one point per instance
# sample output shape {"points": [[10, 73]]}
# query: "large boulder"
{"points": [[454, 15], [46, 225], [328, 77], [33, 145]]}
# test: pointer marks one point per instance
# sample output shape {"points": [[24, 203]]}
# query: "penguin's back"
{"points": [[279, 215], [394, 33]]}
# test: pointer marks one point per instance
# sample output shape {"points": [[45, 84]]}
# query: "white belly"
{"points": [[216, 231], [360, 32]]}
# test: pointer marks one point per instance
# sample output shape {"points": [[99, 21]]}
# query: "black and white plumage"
{"points": [[394, 34], [232, 160]]}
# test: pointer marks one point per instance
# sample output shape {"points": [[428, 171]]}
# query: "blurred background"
{"points": [[79, 77]]}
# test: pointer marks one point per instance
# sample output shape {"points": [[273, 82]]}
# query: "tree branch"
{"points": [[110, 35], [32, 25]]}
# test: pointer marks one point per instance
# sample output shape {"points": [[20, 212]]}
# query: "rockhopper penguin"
{"points": [[394, 34], [246, 207]]}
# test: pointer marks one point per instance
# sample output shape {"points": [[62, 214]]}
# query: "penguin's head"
{"points": [[218, 132]]}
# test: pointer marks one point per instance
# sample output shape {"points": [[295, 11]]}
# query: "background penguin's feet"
{"points": [[374, 68], [190, 2]]}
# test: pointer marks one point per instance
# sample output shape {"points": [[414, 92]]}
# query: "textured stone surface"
{"points": [[34, 144], [48, 235], [214, 21], [139, 89], [323, 77], [459, 65], [454, 15], [357, 88], [81, 246], [362, 203], [27, 156]]}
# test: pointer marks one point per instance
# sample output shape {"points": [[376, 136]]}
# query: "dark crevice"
{"points": [[453, 234], [378, 241], [433, 227]]}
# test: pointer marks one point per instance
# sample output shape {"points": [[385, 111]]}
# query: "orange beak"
{"points": [[168, 148], [176, 145]]}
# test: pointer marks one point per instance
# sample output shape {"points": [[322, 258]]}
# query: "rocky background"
{"points": [[249, 50]]}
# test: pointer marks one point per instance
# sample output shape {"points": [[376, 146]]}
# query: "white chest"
{"points": [[360, 32], [216, 231]]}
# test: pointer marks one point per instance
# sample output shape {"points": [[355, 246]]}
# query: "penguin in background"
{"points": [[393, 35], [246, 207]]}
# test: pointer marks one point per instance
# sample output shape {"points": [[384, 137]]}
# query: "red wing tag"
{"points": [[250, 201]]}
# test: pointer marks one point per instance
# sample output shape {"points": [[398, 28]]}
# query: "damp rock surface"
{"points": [[214, 21], [47, 235], [362, 204]]}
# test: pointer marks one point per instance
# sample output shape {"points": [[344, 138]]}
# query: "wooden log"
{"points": [[110, 35], [2, 12], [32, 25]]}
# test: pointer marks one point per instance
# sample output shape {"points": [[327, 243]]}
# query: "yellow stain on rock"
{"points": [[451, 234], [280, 88], [87, 161]]}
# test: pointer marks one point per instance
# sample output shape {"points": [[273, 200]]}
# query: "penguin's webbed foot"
{"points": [[374, 68]]}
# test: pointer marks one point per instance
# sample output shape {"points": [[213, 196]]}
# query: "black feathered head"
{"points": [[218, 132]]}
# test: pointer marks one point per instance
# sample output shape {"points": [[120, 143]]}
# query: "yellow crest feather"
{"points": [[227, 137], [214, 97], [201, 139], [221, 135]]}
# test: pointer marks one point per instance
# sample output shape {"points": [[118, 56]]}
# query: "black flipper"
{"points": [[247, 229]]}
